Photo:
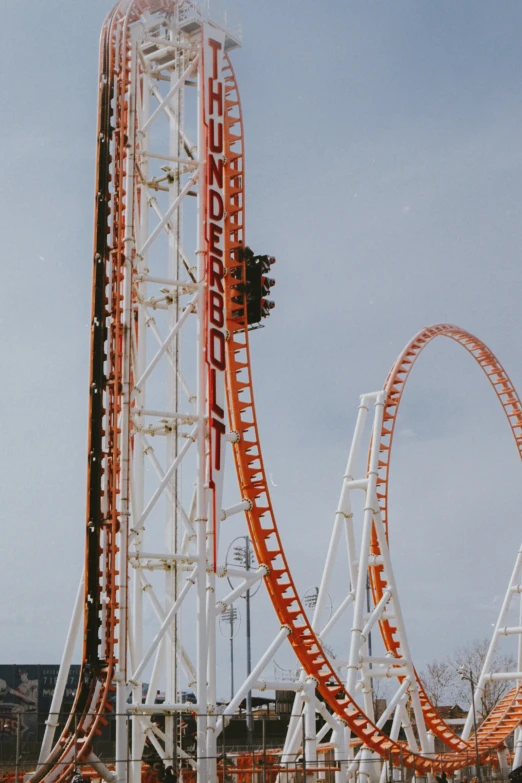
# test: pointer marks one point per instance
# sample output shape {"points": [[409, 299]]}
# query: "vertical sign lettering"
{"points": [[214, 121]]}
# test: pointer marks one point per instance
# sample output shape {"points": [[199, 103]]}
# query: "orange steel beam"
{"points": [[91, 706], [261, 518]]}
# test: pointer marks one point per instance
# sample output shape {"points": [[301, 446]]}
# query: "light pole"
{"points": [[229, 617], [243, 555], [469, 677], [310, 597], [368, 608]]}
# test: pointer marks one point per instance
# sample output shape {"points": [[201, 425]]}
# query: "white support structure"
{"points": [[172, 438], [310, 738], [356, 613], [511, 609], [173, 389], [179, 60], [517, 760], [352, 614], [51, 723]]}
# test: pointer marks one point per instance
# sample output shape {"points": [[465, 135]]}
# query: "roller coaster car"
{"points": [[255, 287]]}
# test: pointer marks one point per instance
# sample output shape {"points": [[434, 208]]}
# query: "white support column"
{"points": [[431, 750], [401, 629], [122, 746], [61, 681], [293, 737], [201, 520], [211, 678], [502, 756], [253, 677], [513, 589], [363, 769], [161, 368], [408, 730], [140, 358], [174, 98], [294, 731], [339, 517], [162, 406], [398, 718], [163, 631], [517, 760], [340, 755], [310, 748], [369, 511]]}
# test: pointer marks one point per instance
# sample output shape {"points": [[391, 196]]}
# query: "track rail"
{"points": [[508, 713], [91, 701], [93, 698], [253, 480], [263, 526]]}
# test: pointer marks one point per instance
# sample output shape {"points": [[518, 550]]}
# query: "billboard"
{"points": [[19, 701], [26, 692]]}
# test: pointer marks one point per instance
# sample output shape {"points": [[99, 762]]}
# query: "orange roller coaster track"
{"points": [[169, 356], [508, 714]]}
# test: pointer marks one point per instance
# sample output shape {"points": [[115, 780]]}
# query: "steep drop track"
{"points": [[261, 518], [92, 705]]}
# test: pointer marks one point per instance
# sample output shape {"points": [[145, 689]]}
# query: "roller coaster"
{"points": [[171, 402]]}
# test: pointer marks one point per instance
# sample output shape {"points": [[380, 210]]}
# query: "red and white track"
{"points": [[169, 356]]}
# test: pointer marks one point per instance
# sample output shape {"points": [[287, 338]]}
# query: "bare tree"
{"points": [[444, 686], [379, 696], [471, 658], [439, 680]]}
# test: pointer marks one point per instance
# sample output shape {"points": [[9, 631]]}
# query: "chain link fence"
{"points": [[246, 753]]}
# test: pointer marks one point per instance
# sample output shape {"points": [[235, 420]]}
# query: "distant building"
{"points": [[454, 716]]}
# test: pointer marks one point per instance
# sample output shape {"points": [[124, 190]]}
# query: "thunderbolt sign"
{"points": [[215, 217]]}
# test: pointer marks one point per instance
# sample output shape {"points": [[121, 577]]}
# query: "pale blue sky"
{"points": [[384, 172]]}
